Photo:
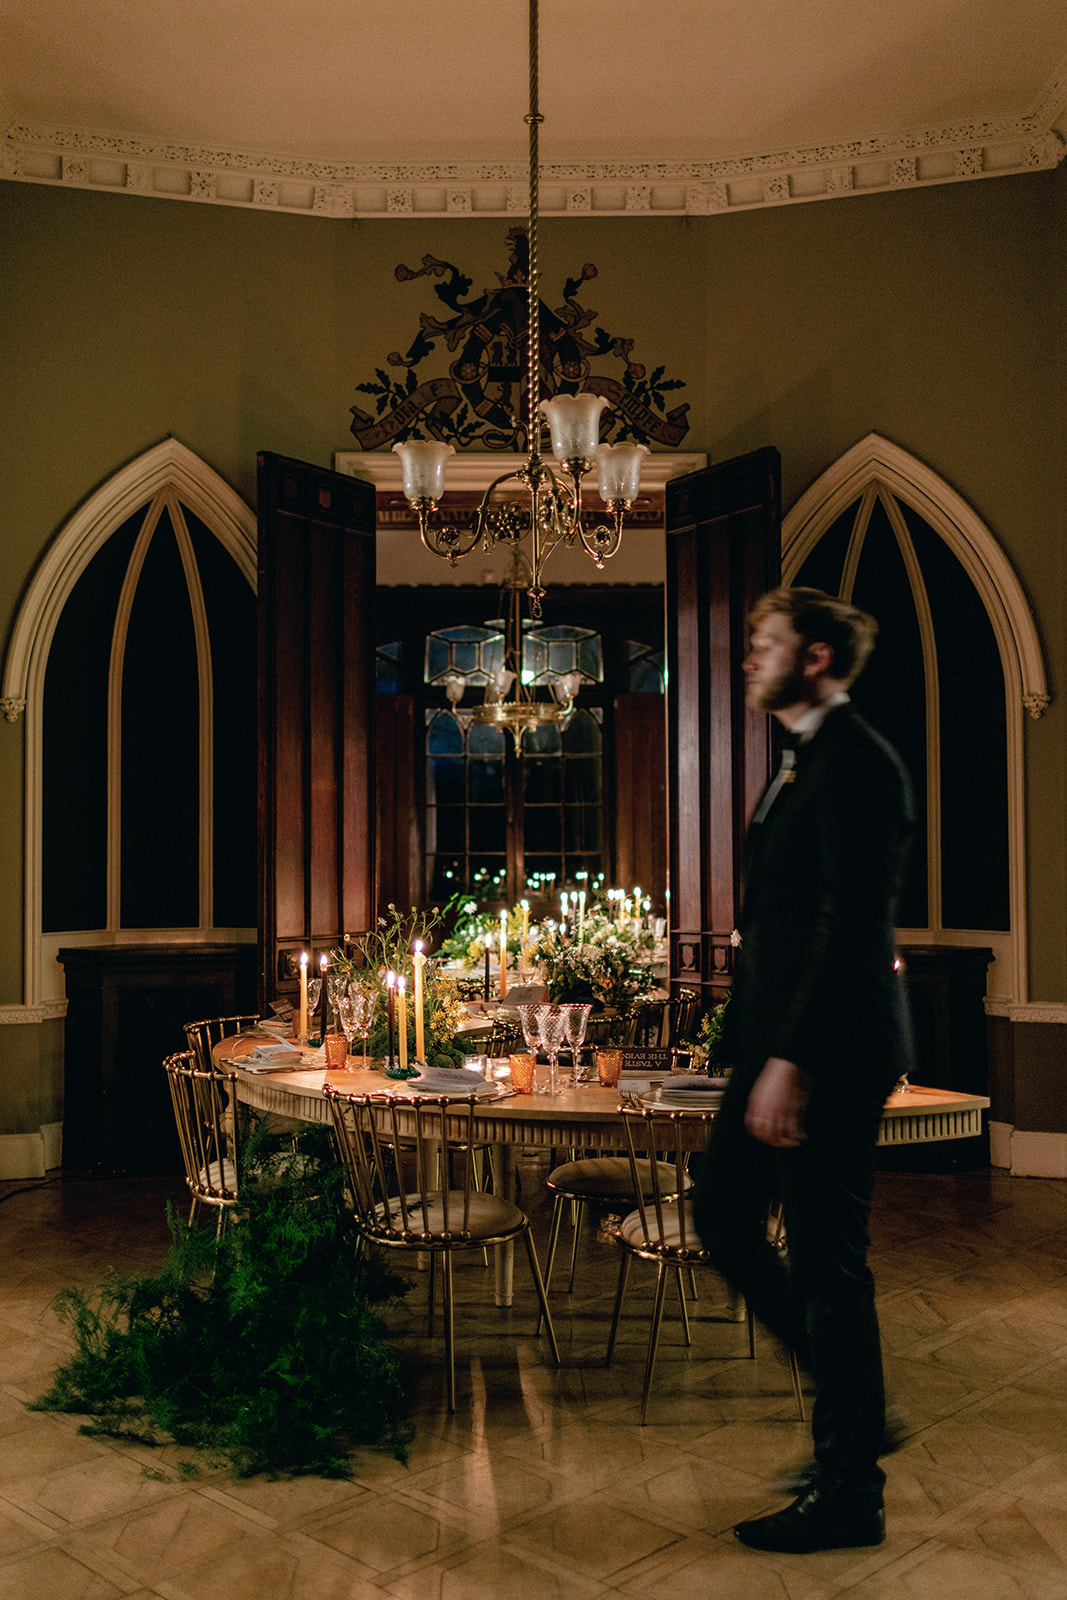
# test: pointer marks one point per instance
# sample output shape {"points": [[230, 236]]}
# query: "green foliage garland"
{"points": [[263, 1350]]}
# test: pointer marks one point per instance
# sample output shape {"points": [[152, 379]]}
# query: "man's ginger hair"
{"points": [[820, 618]]}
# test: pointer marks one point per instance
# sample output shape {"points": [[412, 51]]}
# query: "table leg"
{"points": [[504, 1254]]}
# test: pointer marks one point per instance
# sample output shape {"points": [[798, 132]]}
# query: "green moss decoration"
{"points": [[263, 1351]]}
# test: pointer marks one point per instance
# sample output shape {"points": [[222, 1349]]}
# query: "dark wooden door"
{"points": [[316, 714], [723, 552]]}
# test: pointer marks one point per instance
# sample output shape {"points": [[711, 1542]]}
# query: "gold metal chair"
{"points": [[682, 1015], [393, 1178], [502, 1039], [662, 1229], [201, 1036], [204, 1104], [604, 1179]]}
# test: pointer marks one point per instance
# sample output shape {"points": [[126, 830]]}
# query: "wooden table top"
{"points": [[586, 1116]]}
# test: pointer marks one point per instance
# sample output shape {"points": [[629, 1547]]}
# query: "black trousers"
{"points": [[819, 1299]]}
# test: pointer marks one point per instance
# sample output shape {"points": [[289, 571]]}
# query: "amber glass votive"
{"points": [[609, 1067], [522, 1073], [336, 1047]]}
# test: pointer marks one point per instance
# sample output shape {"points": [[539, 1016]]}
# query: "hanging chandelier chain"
{"points": [[555, 513], [533, 328]]}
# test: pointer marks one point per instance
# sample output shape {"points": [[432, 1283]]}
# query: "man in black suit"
{"points": [[818, 1033]]}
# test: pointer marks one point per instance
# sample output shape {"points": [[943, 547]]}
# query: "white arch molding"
{"points": [[168, 467], [875, 463]]}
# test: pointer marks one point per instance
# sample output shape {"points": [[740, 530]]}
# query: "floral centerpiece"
{"points": [[612, 966], [472, 927], [390, 947], [708, 1052]]}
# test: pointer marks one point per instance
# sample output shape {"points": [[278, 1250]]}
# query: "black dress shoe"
{"points": [[820, 1520]]}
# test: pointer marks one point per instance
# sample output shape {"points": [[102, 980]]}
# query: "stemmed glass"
{"points": [[528, 1024], [336, 987], [576, 1021], [314, 990], [365, 1003], [552, 1026], [348, 1017]]}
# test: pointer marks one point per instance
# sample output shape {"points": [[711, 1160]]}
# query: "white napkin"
{"points": [[281, 1056], [449, 1080]]}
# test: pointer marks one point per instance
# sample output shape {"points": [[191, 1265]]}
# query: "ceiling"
{"points": [[391, 107]]}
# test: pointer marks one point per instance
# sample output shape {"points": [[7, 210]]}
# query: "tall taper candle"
{"points": [[525, 904], [418, 961], [402, 1018], [485, 988], [503, 954], [581, 916], [302, 1019], [324, 962], [390, 984]]}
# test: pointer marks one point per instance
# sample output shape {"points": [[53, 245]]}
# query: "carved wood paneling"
{"points": [[722, 553]]}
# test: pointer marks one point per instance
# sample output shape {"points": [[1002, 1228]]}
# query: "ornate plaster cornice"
{"points": [[918, 158]]}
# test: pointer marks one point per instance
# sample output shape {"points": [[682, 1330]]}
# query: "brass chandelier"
{"points": [[552, 513]]}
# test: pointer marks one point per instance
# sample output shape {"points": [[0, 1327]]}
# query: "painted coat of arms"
{"points": [[480, 400]]}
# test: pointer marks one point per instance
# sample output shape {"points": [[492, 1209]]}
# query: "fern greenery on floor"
{"points": [[263, 1351]]}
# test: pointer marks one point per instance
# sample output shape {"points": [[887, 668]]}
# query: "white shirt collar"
{"points": [[807, 726]]}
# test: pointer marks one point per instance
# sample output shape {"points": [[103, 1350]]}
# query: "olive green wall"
{"points": [[934, 317]]}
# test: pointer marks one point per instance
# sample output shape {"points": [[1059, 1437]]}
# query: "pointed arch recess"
{"points": [[169, 469], [876, 461], [873, 464], [167, 465]]}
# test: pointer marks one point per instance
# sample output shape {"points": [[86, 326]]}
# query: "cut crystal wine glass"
{"points": [[528, 1024], [575, 1023], [552, 1026], [336, 986], [348, 1015], [367, 1000]]}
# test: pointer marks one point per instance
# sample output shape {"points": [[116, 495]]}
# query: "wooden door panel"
{"points": [[723, 551], [316, 706]]}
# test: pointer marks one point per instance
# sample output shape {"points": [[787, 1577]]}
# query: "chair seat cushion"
{"points": [[632, 1232], [488, 1217], [218, 1179], [610, 1178]]}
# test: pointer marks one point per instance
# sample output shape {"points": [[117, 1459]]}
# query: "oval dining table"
{"points": [[586, 1117]]}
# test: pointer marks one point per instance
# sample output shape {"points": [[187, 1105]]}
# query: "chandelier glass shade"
{"points": [[551, 512]]}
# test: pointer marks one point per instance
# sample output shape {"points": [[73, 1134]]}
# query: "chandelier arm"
{"points": [[602, 542], [444, 540]]}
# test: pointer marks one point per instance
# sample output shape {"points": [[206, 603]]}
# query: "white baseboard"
{"points": [[21, 1155], [52, 1135], [31, 1155], [1038, 1155], [1000, 1144]]}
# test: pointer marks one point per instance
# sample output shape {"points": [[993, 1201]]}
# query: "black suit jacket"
{"points": [[814, 978]]}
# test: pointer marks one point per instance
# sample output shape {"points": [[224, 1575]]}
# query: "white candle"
{"points": [[581, 916], [525, 904], [323, 964], [418, 961], [303, 1018], [402, 1018], [503, 954]]}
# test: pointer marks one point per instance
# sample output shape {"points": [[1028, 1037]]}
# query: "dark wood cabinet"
{"points": [[126, 1006]]}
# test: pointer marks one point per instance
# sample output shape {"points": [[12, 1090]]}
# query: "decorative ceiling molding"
{"points": [[994, 147]]}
